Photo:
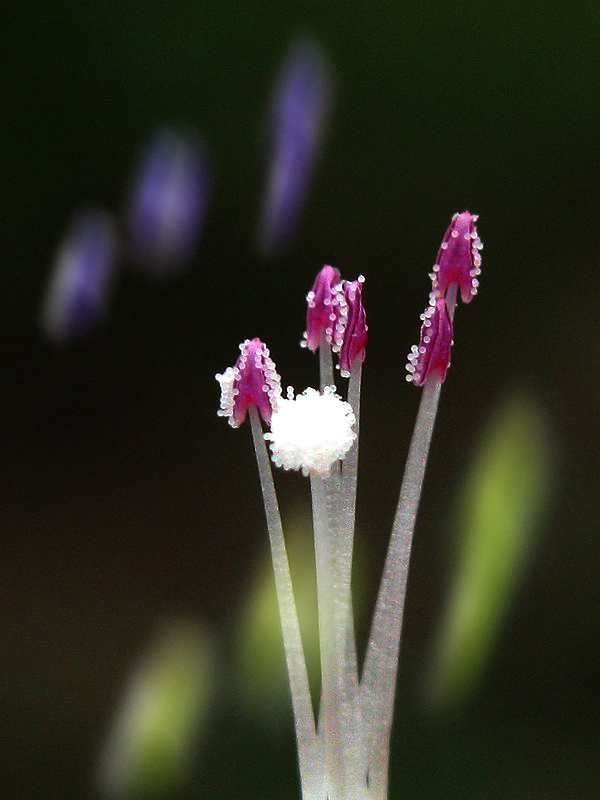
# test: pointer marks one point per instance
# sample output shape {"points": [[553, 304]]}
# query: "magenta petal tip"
{"points": [[353, 341], [253, 381], [322, 312], [432, 355], [459, 258]]}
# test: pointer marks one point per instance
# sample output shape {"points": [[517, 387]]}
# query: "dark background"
{"points": [[125, 499]]}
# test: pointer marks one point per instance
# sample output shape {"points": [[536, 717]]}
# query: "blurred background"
{"points": [[133, 540]]}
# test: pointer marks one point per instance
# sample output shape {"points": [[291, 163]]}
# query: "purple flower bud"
{"points": [[167, 201], [252, 382], [297, 119], [322, 315], [459, 259], [432, 355], [355, 337], [77, 292]]}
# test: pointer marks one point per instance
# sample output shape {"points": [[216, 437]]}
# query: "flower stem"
{"points": [[309, 756], [350, 474], [378, 684], [329, 711], [350, 714]]}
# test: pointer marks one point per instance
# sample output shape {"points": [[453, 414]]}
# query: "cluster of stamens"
{"points": [[312, 430]]}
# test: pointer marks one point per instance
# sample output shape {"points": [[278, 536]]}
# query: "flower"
{"points": [[322, 315], [167, 201], [298, 115], [79, 286], [458, 259], [432, 355], [355, 331], [252, 382], [312, 431]]}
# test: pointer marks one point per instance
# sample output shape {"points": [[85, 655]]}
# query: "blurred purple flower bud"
{"points": [[355, 337], [252, 382], [322, 315], [167, 201], [458, 259], [78, 289], [432, 355], [297, 120]]}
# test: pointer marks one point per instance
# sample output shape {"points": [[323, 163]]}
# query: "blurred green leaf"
{"points": [[165, 704], [260, 659], [498, 509], [262, 675]]}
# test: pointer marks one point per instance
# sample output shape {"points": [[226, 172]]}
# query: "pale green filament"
{"points": [[309, 754], [378, 684]]}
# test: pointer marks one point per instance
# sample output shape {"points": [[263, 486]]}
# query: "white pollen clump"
{"points": [[227, 382], [312, 431]]}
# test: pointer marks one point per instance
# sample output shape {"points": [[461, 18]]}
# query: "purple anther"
{"points": [[432, 355], [78, 289], [252, 382], [459, 258], [322, 314], [353, 341], [167, 202], [298, 113]]}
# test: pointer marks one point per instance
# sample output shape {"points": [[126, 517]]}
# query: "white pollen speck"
{"points": [[311, 432]]}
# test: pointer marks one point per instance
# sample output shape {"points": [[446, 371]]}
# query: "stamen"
{"points": [[253, 381]]}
